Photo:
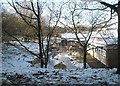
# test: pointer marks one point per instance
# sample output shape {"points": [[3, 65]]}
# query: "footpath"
{"points": [[94, 63]]}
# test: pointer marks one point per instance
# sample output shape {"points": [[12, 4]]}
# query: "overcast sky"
{"points": [[5, 1], [109, 1]]}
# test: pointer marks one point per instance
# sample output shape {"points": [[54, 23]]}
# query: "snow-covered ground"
{"points": [[14, 62], [68, 60]]}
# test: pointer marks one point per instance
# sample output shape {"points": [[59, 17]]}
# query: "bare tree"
{"points": [[53, 20], [115, 8], [79, 17], [34, 19]]}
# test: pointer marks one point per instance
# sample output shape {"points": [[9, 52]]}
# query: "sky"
{"points": [[108, 1], [99, 0]]}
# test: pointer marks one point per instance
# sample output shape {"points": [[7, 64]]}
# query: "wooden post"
{"points": [[118, 11]]}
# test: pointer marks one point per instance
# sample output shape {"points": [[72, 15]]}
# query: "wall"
{"points": [[107, 56], [100, 54], [112, 57]]}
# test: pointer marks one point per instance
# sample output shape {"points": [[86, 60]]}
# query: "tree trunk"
{"points": [[40, 35], [118, 11], [46, 59], [47, 53], [46, 62], [42, 63], [85, 55]]}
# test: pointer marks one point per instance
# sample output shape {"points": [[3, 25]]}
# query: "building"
{"points": [[69, 39], [102, 45]]}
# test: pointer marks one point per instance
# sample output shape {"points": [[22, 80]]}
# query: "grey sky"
{"points": [[9, 9], [109, 1]]}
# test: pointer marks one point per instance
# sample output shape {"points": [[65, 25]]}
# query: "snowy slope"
{"points": [[14, 62]]}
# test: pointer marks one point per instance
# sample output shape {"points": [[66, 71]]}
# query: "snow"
{"points": [[14, 61], [106, 36], [91, 0], [72, 35], [70, 62]]}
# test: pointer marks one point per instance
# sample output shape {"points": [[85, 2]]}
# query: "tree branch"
{"points": [[31, 52], [110, 6], [22, 16], [96, 9], [33, 9]]}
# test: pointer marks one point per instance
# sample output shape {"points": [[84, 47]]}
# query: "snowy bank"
{"points": [[16, 70]]}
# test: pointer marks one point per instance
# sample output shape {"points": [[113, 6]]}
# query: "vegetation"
{"points": [[31, 22], [74, 16], [31, 14], [13, 24]]}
